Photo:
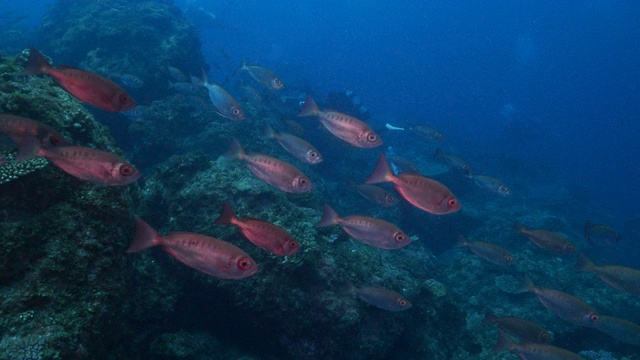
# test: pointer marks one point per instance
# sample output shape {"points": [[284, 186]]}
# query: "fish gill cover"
{"points": [[524, 114]]}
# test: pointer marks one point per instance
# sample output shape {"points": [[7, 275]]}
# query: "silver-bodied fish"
{"points": [[454, 162], [533, 351], [224, 103], [525, 330], [93, 165], [491, 184], [376, 194], [263, 234], [274, 172], [620, 329], [372, 231], [264, 76], [547, 240], [424, 193], [343, 126], [563, 305], [295, 146], [619, 277], [490, 252], [206, 254], [383, 298]]}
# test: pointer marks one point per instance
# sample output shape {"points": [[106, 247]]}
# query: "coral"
{"points": [[436, 288], [12, 170]]}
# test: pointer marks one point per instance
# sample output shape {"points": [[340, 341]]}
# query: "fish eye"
{"points": [[504, 189], [313, 154], [303, 181], [594, 317], [400, 237], [126, 170], [278, 82], [402, 302], [391, 198], [293, 245], [372, 137], [509, 258], [570, 248], [452, 202], [545, 335], [235, 111], [123, 98], [244, 264]]}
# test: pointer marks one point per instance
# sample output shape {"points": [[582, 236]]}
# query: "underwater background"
{"points": [[542, 98]]}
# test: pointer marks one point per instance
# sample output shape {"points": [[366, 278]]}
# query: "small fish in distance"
{"points": [[264, 76], [383, 298]]}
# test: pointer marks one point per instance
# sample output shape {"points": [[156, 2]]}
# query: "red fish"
{"points": [[619, 277], [424, 193], [86, 86], [93, 165], [29, 135], [533, 351], [563, 305], [547, 240], [274, 172], [210, 255], [490, 252], [527, 331], [343, 126], [263, 234], [383, 298], [295, 146], [372, 231], [376, 194]]}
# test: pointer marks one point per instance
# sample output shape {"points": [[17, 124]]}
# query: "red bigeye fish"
{"points": [[263, 234], [424, 193], [372, 231], [274, 172], [343, 126], [225, 104], [383, 298], [491, 184], [533, 351], [490, 252], [620, 329], [86, 86], [547, 240], [295, 146], [376, 194], [29, 135], [525, 330], [264, 76], [619, 277], [93, 165], [206, 254], [563, 305]]}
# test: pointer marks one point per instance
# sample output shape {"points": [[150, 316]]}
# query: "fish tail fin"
{"points": [[504, 342], [526, 285], [28, 148], [489, 318], [244, 65], [145, 238], [461, 241], [227, 217], [310, 107], [584, 263], [235, 150], [268, 133], [519, 228], [382, 172], [37, 64], [329, 217]]}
